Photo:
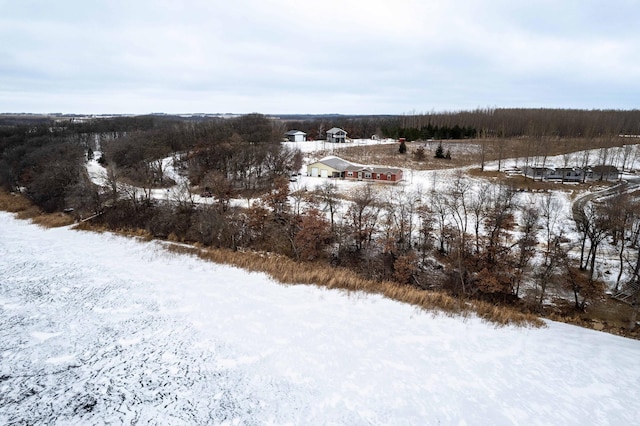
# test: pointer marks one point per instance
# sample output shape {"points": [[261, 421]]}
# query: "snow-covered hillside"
{"points": [[96, 329]]}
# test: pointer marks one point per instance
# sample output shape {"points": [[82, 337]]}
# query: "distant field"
{"points": [[468, 152]]}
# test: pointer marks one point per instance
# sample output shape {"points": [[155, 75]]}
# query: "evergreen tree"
{"points": [[439, 151], [403, 147]]}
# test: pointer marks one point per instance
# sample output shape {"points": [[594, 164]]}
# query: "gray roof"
{"points": [[385, 170], [295, 132], [345, 166], [337, 163], [335, 130], [374, 169]]}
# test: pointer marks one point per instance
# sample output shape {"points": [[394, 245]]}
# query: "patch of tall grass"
{"points": [[24, 209], [288, 271]]}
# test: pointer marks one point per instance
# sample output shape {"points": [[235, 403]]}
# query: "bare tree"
{"points": [[585, 290], [400, 207], [548, 272], [627, 151], [483, 148], [216, 183], [180, 195], [478, 208], [328, 195], [585, 158], [498, 221], [298, 194], [457, 200], [526, 244], [620, 212], [313, 235], [363, 216], [425, 230], [597, 227], [112, 180], [549, 208], [440, 210]]}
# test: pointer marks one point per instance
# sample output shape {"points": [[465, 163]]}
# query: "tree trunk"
{"points": [[634, 313], [621, 258], [592, 264]]}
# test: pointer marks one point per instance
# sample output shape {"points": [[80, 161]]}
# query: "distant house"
{"points": [[572, 174], [603, 172], [537, 172], [296, 136], [566, 174], [336, 135], [336, 167], [381, 174]]}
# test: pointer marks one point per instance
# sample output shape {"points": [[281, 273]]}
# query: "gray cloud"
{"points": [[376, 56]]}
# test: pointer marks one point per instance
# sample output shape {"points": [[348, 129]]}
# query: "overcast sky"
{"points": [[331, 56]]}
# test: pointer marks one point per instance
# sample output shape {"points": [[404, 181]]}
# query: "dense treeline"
{"points": [[44, 162], [489, 122], [243, 154], [429, 132], [515, 122]]}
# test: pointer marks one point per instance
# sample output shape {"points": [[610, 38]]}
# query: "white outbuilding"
{"points": [[296, 136]]}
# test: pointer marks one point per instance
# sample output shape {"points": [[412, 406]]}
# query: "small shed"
{"points": [[296, 136]]}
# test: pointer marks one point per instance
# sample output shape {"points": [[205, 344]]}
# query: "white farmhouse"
{"points": [[336, 135]]}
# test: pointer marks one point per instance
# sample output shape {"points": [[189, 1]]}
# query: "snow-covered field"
{"points": [[97, 329]]}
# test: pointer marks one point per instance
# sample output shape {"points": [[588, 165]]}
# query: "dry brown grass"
{"points": [[24, 209], [388, 155], [53, 220], [487, 174], [287, 271], [14, 203]]}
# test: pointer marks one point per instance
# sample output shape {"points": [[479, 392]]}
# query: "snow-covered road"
{"points": [[101, 329]]}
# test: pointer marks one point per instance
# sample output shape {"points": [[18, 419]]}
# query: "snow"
{"points": [[97, 172], [322, 145], [97, 328]]}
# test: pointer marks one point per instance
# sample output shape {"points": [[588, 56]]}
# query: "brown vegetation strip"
{"points": [[288, 271], [25, 210]]}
